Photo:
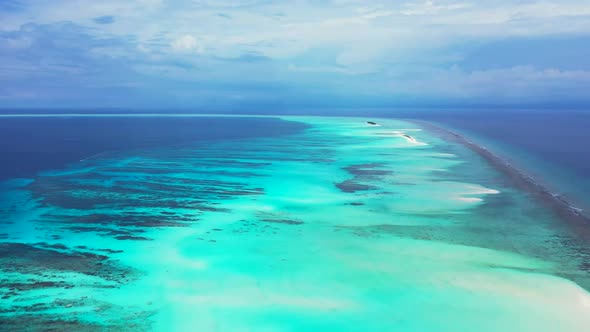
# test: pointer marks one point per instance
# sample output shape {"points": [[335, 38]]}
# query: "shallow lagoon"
{"points": [[340, 226]]}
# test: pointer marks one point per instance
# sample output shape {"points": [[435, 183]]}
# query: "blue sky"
{"points": [[231, 54]]}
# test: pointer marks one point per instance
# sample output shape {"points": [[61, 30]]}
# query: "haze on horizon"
{"points": [[260, 53]]}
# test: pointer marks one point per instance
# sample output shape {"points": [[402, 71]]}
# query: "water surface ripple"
{"points": [[341, 226]]}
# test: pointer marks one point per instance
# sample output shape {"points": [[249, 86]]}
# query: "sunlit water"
{"points": [[341, 226]]}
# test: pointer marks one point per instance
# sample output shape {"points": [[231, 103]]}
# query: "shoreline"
{"points": [[575, 217]]}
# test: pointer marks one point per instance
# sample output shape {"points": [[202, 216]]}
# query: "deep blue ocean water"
{"points": [[175, 223], [562, 137], [32, 144], [552, 146]]}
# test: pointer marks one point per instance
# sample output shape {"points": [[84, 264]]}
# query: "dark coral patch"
{"points": [[134, 238], [50, 323], [30, 259], [283, 221], [278, 218], [362, 173], [351, 186], [367, 170]]}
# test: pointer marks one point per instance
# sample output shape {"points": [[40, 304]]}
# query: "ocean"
{"points": [[290, 223], [549, 145], [34, 144]]}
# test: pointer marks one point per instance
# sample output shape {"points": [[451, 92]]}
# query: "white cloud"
{"points": [[186, 43], [503, 83], [431, 7], [293, 27], [405, 46]]}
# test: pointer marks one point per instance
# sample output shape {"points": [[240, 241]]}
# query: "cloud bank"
{"points": [[255, 53]]}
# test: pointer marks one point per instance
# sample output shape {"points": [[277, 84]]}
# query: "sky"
{"points": [[262, 54]]}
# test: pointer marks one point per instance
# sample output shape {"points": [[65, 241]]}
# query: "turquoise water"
{"points": [[340, 227]]}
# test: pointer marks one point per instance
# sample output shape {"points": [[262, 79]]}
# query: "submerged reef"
{"points": [[41, 259], [338, 227], [362, 174], [38, 280]]}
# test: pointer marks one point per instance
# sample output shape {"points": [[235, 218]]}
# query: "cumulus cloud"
{"points": [[515, 83], [186, 43], [431, 48]]}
